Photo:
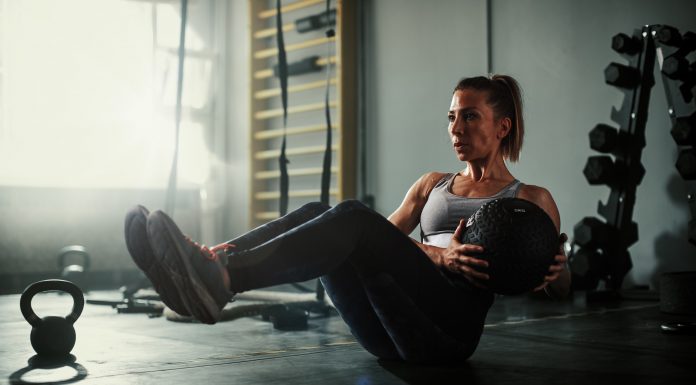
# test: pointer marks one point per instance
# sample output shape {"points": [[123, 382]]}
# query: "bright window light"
{"points": [[88, 94]]}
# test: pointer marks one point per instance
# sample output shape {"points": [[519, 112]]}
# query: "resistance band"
{"points": [[171, 190], [326, 170], [283, 75]]}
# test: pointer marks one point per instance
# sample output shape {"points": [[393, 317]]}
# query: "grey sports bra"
{"points": [[443, 210]]}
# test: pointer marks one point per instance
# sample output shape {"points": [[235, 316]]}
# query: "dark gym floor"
{"points": [[526, 340]]}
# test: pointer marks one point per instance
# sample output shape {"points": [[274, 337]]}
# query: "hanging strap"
{"points": [[283, 76], [171, 190], [326, 170]]}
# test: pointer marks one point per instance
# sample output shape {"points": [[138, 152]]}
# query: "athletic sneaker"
{"points": [[195, 269], [141, 252]]}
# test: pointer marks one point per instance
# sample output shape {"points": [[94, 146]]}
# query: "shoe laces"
{"points": [[213, 253]]}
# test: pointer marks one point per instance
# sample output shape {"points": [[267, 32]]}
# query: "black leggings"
{"points": [[397, 303]]}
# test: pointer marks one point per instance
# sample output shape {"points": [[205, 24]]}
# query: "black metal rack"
{"points": [[603, 244]]}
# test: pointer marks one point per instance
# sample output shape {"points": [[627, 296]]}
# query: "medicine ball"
{"points": [[519, 242]]}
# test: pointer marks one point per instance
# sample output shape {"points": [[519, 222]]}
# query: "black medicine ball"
{"points": [[519, 242]]}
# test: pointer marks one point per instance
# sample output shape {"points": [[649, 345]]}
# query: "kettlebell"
{"points": [[74, 273], [52, 336]]}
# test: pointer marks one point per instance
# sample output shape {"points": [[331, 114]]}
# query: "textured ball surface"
{"points": [[519, 241]]}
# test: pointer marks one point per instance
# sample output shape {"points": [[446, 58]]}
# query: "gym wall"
{"points": [[559, 50], [415, 52]]}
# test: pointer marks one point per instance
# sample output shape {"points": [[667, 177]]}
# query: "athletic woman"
{"points": [[413, 300]]}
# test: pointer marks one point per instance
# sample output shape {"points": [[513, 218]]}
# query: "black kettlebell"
{"points": [[74, 273], [52, 336]]}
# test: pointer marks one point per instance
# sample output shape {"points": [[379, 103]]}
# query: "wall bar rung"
{"points": [[271, 92], [268, 195], [271, 52], [267, 215], [270, 154], [268, 32], [268, 134], [274, 113], [289, 7], [271, 174], [268, 73]]}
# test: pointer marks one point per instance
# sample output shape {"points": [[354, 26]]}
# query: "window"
{"points": [[88, 92]]}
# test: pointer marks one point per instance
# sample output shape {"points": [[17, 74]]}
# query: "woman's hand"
{"points": [[457, 259], [557, 268]]}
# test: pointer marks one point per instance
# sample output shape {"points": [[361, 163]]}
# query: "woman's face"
{"points": [[474, 131]]}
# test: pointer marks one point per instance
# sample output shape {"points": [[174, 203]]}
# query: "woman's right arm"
{"points": [[456, 256], [407, 216]]}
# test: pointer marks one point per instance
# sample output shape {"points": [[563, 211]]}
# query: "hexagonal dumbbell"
{"points": [[591, 232], [684, 130], [599, 170], [688, 43], [629, 234], [603, 138], [587, 267], [620, 75], [685, 88], [686, 163], [623, 43], [675, 67], [619, 264], [668, 35]]}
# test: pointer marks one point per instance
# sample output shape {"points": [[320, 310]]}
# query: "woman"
{"points": [[402, 299]]}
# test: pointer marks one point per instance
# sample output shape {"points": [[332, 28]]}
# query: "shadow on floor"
{"points": [[37, 362]]}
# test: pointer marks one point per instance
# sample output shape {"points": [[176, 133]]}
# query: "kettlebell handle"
{"points": [[74, 249], [46, 285]]}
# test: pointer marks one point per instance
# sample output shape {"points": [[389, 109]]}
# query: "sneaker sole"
{"points": [[169, 243], [146, 260]]}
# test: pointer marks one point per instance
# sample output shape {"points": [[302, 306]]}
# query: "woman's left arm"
{"points": [[557, 282]]}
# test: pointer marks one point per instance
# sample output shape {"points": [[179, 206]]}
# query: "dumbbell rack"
{"points": [[603, 245]]}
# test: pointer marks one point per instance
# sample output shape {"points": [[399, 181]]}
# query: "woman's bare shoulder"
{"points": [[428, 180], [542, 198]]}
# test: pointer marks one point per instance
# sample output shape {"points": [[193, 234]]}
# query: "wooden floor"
{"points": [[526, 341]]}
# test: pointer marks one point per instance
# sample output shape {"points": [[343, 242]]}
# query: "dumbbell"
{"points": [[684, 130], [620, 75], [591, 233], [686, 163], [688, 87], [675, 67], [618, 265], [623, 43], [599, 170], [668, 35], [73, 272], [603, 138], [587, 268], [628, 234], [602, 169], [688, 42]]}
